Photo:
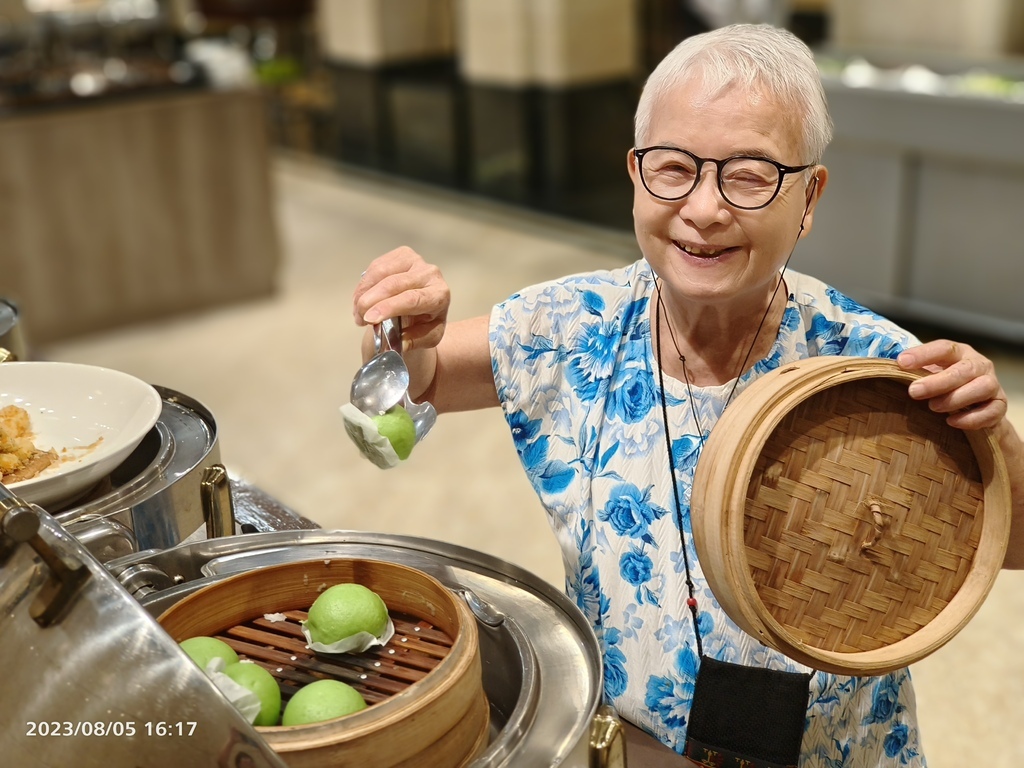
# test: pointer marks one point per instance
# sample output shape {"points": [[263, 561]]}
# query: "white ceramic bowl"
{"points": [[92, 417]]}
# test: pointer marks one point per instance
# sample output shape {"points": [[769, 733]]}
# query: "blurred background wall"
{"points": [[135, 136]]}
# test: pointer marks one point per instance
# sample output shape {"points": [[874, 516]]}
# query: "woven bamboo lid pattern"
{"points": [[845, 524]]}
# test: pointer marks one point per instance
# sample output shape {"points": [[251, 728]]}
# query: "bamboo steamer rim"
{"points": [[719, 507], [450, 692]]}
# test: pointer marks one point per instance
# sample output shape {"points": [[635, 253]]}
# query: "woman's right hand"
{"points": [[454, 373], [401, 284]]}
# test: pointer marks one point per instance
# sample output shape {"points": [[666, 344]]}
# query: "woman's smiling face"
{"points": [[705, 250]]}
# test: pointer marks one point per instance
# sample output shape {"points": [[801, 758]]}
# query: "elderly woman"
{"points": [[727, 176]]}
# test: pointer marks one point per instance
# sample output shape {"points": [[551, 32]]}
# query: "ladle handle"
{"points": [[387, 335]]}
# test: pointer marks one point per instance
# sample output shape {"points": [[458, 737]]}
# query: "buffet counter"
{"points": [[921, 216], [132, 209]]}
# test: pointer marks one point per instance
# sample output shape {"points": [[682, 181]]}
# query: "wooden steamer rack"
{"points": [[843, 523], [427, 706]]}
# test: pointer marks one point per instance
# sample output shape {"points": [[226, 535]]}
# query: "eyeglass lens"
{"points": [[744, 182]]}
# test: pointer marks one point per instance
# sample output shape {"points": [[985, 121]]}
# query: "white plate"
{"points": [[92, 417]]}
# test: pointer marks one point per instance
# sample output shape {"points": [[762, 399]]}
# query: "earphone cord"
{"points": [[691, 600]]}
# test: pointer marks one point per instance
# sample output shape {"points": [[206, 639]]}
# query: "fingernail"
{"points": [[372, 317], [915, 389]]}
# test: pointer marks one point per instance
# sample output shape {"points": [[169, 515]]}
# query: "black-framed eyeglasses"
{"points": [[749, 183]]}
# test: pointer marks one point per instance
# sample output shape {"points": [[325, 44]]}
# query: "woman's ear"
{"points": [[817, 187]]}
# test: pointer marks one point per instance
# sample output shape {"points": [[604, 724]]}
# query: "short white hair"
{"points": [[756, 57]]}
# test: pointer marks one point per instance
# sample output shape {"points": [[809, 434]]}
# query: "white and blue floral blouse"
{"points": [[576, 375]]}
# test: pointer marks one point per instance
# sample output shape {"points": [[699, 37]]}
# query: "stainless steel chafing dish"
{"points": [[91, 679], [90, 650], [170, 487]]}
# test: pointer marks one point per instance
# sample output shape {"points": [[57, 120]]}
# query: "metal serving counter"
{"points": [[920, 219]]}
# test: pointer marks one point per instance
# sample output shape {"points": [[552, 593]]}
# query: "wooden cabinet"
{"points": [[126, 211]]}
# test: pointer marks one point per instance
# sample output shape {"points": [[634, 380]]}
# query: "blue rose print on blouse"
{"points": [[885, 701], [631, 512], [673, 633], [843, 750], [551, 476], [886, 709], [631, 622], [871, 344], [615, 677], [828, 335], [669, 697], [685, 452], [847, 304], [897, 740], [582, 585], [593, 361], [632, 399], [636, 568], [790, 320], [524, 430]]}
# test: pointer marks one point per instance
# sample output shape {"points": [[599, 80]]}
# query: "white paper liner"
{"points": [[371, 443], [244, 700], [356, 643], [275, 617]]}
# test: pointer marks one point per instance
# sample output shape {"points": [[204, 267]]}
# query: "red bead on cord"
{"points": [[692, 602]]}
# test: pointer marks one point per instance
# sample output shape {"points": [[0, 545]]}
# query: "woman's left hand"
{"points": [[961, 382]]}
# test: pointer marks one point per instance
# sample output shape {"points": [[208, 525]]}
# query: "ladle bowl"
{"points": [[381, 383]]}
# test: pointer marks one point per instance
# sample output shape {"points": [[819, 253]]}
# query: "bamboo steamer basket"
{"points": [[843, 523], [427, 705]]}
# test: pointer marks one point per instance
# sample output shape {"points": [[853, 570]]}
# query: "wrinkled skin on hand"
{"points": [[401, 284], [962, 383]]}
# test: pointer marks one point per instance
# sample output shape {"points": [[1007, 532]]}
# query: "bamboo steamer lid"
{"points": [[427, 705], [843, 523]]}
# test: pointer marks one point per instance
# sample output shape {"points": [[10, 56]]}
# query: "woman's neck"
{"points": [[718, 343]]}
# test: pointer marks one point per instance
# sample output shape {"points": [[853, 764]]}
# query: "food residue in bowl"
{"points": [[20, 459], [76, 452]]}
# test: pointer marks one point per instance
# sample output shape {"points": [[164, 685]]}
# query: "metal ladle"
{"points": [[380, 384], [383, 381], [424, 415]]}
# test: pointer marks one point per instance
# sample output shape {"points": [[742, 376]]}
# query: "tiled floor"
{"points": [[274, 372]]}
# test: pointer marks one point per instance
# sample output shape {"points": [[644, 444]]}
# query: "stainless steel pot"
{"points": [[90, 679], [91, 662], [170, 487], [541, 660], [12, 337]]}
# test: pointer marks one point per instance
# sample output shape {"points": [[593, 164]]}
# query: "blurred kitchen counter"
{"points": [[921, 217], [127, 210]]}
